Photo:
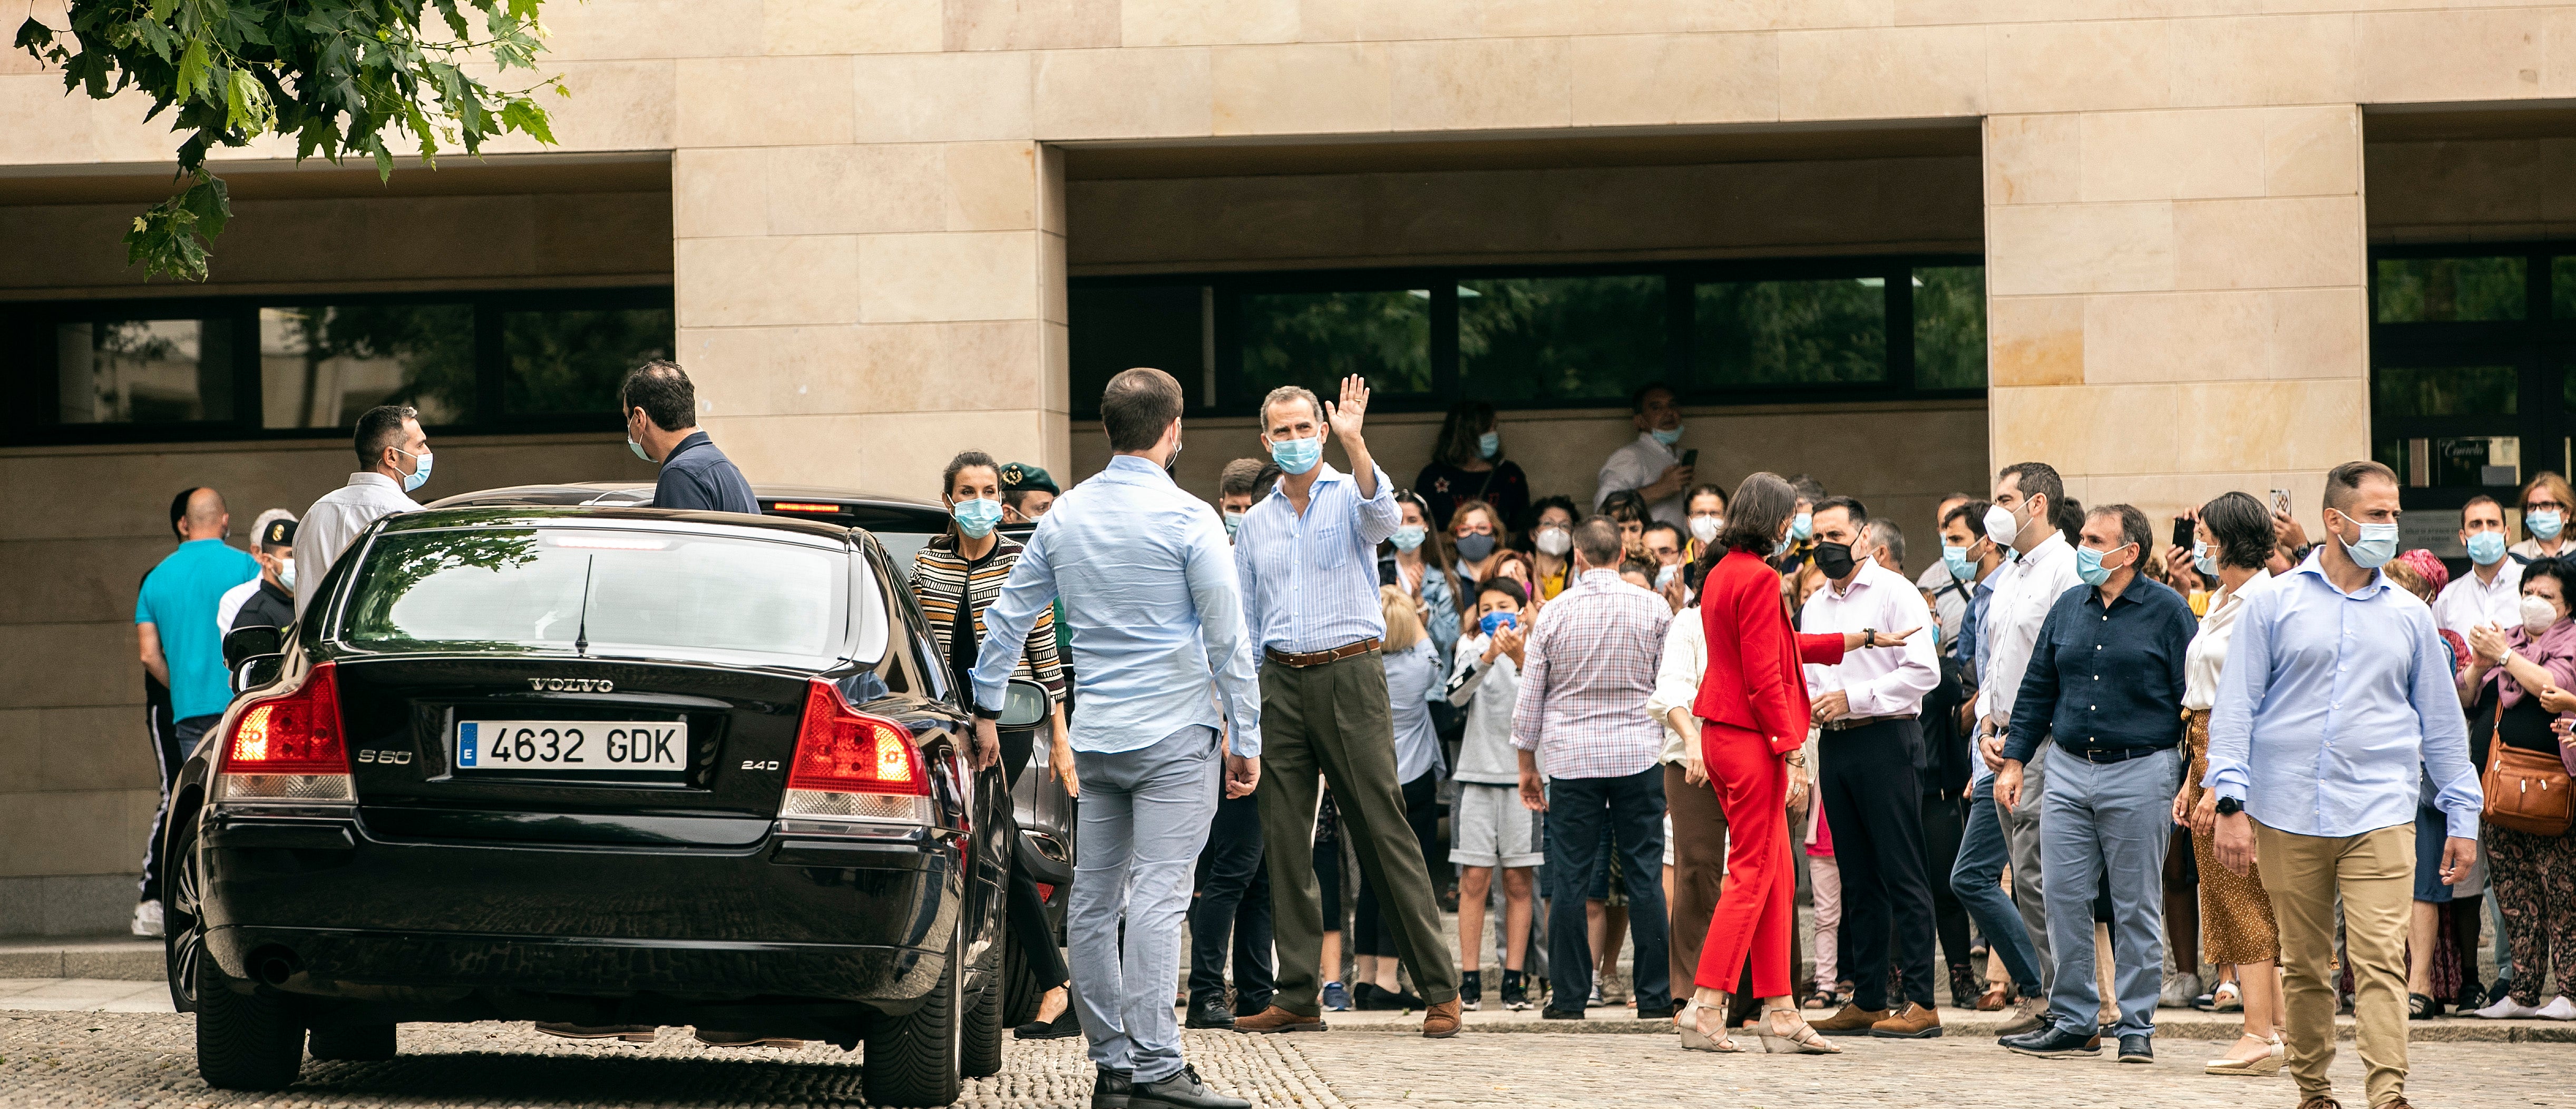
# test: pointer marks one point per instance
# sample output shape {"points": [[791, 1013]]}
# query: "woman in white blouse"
{"points": [[2234, 542]]}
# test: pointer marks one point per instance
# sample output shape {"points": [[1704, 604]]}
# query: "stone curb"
{"points": [[134, 961], [2453, 1030]]}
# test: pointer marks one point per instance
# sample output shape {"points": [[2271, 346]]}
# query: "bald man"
{"points": [[174, 618]]}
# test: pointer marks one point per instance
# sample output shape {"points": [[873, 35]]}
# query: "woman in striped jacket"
{"points": [[956, 576]]}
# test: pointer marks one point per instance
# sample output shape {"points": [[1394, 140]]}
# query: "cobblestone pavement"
{"points": [[54, 1059]]}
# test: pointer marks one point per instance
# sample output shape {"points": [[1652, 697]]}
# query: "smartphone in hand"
{"points": [[1691, 457], [2183, 535]]}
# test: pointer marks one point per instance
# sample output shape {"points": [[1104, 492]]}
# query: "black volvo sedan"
{"points": [[600, 766]]}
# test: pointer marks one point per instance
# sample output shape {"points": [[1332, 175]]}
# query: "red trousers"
{"points": [[1756, 909]]}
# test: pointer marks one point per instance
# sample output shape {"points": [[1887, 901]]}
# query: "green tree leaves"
{"points": [[345, 77]]}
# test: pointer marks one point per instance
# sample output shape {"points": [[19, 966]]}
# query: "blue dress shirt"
{"points": [[2105, 678], [1154, 607], [1310, 582], [697, 475], [2329, 703]]}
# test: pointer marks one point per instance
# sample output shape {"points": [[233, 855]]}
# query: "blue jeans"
{"points": [[1629, 811], [1144, 818], [1977, 880], [2107, 824]]}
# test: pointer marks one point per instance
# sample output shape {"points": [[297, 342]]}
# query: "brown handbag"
{"points": [[2527, 791]]}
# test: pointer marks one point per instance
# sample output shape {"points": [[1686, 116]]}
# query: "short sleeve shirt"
{"points": [[178, 599]]}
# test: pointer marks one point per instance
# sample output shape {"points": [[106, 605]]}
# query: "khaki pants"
{"points": [[2375, 874], [1334, 719]]}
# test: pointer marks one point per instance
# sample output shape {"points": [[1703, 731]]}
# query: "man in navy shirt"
{"points": [[662, 426], [2105, 684]]}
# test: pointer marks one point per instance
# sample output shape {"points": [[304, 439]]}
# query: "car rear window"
{"points": [[622, 593]]}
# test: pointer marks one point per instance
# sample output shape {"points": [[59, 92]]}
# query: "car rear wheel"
{"points": [[183, 923], [981, 1052], [245, 1041], [913, 1061], [1021, 994], [352, 1042]]}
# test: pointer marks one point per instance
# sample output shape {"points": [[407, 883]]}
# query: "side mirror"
{"points": [[242, 644], [257, 670], [1024, 704]]}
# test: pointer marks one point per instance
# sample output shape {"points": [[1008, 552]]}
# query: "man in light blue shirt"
{"points": [[1308, 555], [1157, 620], [2337, 689]]}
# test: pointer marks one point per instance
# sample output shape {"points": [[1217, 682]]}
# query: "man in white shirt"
{"points": [[2031, 500], [2491, 592], [395, 458], [1649, 465], [1868, 706]]}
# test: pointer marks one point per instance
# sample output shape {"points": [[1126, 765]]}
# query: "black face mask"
{"points": [[1835, 559], [1475, 546]]}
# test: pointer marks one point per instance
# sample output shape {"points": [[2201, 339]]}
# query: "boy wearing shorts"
{"points": [[1492, 828]]}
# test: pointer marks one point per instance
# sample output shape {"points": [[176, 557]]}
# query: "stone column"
{"points": [[2178, 301], [866, 287]]}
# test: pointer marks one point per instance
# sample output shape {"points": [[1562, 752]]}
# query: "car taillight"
{"points": [[290, 747], [851, 765]]}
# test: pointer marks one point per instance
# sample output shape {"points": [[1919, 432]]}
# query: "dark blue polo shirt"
{"points": [[697, 475], [2105, 680]]}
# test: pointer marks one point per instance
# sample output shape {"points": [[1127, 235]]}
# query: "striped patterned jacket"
{"points": [[940, 575]]}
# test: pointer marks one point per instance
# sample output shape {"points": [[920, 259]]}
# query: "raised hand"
{"points": [[1347, 416]]}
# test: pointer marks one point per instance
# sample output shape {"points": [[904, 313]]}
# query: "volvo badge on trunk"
{"points": [[572, 685]]}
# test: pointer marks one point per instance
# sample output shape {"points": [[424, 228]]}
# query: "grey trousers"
{"points": [[1144, 817], [2021, 840], [2108, 824]]}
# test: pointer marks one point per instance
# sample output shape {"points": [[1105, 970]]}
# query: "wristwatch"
{"points": [[2229, 806], [1868, 636]]}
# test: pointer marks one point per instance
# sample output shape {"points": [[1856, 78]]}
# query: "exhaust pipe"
{"points": [[273, 965]]}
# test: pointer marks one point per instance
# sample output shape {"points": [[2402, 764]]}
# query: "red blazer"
{"points": [[1753, 681]]}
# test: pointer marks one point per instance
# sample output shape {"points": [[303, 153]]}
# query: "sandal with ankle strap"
{"points": [[1804, 1041], [1695, 1040]]}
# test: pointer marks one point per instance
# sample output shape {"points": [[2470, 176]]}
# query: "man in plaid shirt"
{"points": [[1581, 721]]}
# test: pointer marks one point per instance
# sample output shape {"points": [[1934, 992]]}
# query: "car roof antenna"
{"points": [[581, 637]]}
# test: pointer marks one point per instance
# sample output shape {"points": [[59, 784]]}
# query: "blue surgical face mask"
{"points": [[1780, 546], [1489, 444], [286, 574], [1296, 456], [1956, 559], [1233, 521], [2486, 548], [1802, 525], [1667, 438], [2378, 544], [2202, 560], [1495, 620], [976, 516], [2544, 523], [1408, 537], [2089, 568], [638, 448], [419, 476]]}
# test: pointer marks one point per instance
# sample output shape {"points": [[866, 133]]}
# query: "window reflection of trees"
{"points": [[1316, 339], [569, 362], [1825, 332], [1560, 338], [2443, 290], [326, 364]]}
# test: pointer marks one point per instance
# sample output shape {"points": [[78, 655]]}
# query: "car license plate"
{"points": [[590, 745]]}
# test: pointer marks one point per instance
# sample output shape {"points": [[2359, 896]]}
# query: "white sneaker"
{"points": [[2506, 1009], [2178, 991], [147, 919], [2559, 1008]]}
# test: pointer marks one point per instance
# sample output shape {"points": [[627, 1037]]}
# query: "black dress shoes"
{"points": [[1209, 1012], [1110, 1089], [2137, 1049], [1063, 1027], [1182, 1090], [2052, 1042]]}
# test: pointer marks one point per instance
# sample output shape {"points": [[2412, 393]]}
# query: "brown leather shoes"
{"points": [[1276, 1019], [1913, 1022], [1441, 1020], [2322, 1102], [1852, 1021]]}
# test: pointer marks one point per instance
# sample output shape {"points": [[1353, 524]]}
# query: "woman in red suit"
{"points": [[1754, 716]]}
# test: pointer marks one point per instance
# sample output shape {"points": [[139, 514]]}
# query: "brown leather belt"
{"points": [[1318, 658], [1850, 722]]}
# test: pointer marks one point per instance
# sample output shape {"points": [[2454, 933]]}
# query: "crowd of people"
{"points": [[2117, 767]]}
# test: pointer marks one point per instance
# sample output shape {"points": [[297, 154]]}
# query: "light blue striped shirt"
{"points": [[1156, 612], [2329, 703], [1310, 582]]}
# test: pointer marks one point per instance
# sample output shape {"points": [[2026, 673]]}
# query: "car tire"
{"points": [[980, 1048], [362, 1043], [183, 926], [245, 1041], [1021, 994], [912, 1061]]}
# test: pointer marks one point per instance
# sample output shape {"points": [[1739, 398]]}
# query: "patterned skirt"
{"points": [[2236, 924]]}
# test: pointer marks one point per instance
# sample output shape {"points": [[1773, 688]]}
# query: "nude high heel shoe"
{"points": [[1803, 1040]]}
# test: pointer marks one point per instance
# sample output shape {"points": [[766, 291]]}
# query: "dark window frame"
{"points": [[2541, 347], [1680, 277], [30, 378]]}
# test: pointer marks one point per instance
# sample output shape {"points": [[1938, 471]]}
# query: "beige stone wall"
{"points": [[1849, 447], [77, 785]]}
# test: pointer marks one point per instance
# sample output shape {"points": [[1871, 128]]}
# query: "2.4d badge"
{"points": [[572, 685]]}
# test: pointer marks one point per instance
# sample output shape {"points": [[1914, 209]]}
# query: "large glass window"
{"points": [[1163, 326], [2449, 290], [1950, 327], [322, 365], [1316, 339], [143, 371], [1829, 332], [570, 362], [1532, 339], [2445, 390]]}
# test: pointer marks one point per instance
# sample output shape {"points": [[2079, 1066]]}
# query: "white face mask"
{"points": [[1705, 528], [2537, 614], [2002, 526], [1555, 541]]}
